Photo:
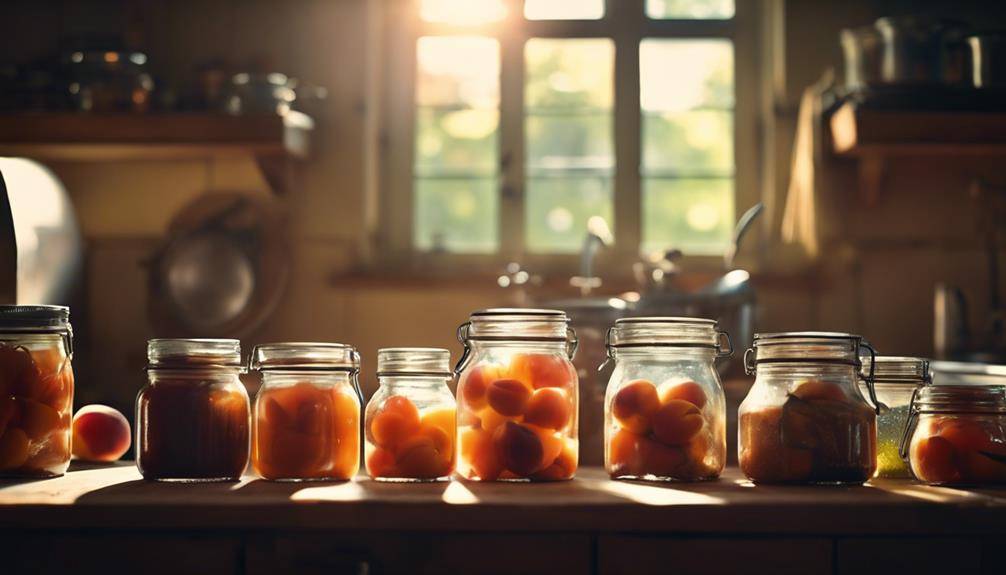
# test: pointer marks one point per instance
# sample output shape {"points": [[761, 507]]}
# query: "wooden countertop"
{"points": [[116, 497]]}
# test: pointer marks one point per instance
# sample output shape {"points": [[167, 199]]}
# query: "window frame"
{"points": [[626, 24]]}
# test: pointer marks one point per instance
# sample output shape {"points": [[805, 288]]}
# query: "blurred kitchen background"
{"points": [[371, 171]]}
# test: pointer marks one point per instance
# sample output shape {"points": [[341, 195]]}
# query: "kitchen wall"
{"points": [[877, 280]]}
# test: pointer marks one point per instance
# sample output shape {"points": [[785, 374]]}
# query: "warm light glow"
{"points": [[462, 12], [458, 71], [703, 217], [350, 491], [470, 124], [457, 493], [654, 495], [563, 9], [675, 72]]}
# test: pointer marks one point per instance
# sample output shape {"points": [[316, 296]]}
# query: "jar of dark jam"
{"points": [[193, 417]]}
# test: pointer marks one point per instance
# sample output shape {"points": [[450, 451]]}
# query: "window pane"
{"points": [[563, 9], [689, 143], [691, 9], [569, 73], [558, 209], [575, 141], [458, 71], [678, 75], [462, 12], [456, 141], [456, 214], [694, 215]]}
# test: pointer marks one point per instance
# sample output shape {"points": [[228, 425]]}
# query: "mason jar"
{"points": [[517, 396], [956, 435], [411, 423], [804, 419], [193, 417], [896, 379], [36, 390], [665, 411], [306, 425]]}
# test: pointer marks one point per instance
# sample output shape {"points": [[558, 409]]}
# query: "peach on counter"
{"points": [[100, 433]]}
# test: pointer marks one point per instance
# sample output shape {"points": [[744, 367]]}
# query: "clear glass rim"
{"points": [[899, 370], [304, 355], [414, 361], [961, 399], [40, 317], [194, 352], [657, 331]]}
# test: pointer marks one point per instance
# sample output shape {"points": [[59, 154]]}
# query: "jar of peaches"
{"points": [[36, 390], [956, 435], [805, 420], [896, 379], [665, 412], [306, 424], [411, 420], [517, 396], [193, 417]]}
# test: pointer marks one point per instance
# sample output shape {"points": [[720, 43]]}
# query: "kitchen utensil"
{"points": [[253, 93], [109, 81]]}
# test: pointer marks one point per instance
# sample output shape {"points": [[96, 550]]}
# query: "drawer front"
{"points": [[918, 556]]}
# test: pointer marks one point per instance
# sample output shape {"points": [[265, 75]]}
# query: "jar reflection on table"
{"points": [[307, 412], [804, 420], [896, 379], [36, 390], [193, 417], [411, 426], [517, 397]]}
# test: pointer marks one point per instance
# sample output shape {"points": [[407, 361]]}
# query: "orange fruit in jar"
{"points": [[475, 382], [38, 419], [625, 453], [634, 404], [676, 422], [763, 457], [542, 370], [518, 448], [345, 437], [8, 409], [418, 457], [563, 467], [395, 422], [445, 418], [661, 460], [18, 373], [686, 391], [549, 407], [13, 449], [508, 397], [811, 389], [489, 420], [551, 444], [975, 449], [478, 451], [934, 460], [381, 463]]}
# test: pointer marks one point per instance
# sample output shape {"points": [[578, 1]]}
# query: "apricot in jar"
{"points": [[395, 422], [519, 449], [634, 404], [542, 370], [549, 407], [676, 422], [685, 391], [508, 397]]}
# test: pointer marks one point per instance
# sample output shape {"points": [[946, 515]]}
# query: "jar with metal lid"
{"points": [[665, 411], [306, 423], [517, 396], [411, 424], [36, 390], [895, 380], [956, 435], [805, 420], [193, 417]]}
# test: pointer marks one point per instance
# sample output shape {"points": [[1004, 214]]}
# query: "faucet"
{"points": [[598, 236]]}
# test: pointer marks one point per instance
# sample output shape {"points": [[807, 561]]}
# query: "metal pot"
{"points": [[922, 51]]}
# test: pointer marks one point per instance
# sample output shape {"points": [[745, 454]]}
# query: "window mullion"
{"points": [[627, 17], [511, 139]]}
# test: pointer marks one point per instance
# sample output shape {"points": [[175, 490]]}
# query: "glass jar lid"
{"points": [[960, 399], [38, 319], [899, 371], [515, 325], [304, 356], [182, 353], [806, 347], [672, 332], [420, 361]]}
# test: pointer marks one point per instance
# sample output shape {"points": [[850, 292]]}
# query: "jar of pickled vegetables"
{"points": [[36, 390], [805, 420], [411, 421], [193, 417], [896, 379], [306, 425], [956, 435], [517, 396], [665, 412]]}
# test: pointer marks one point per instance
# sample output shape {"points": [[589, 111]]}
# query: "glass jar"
{"points": [[307, 412], [665, 411], [895, 380], [411, 421], [517, 396], [956, 435], [804, 420], [193, 416], [36, 390]]}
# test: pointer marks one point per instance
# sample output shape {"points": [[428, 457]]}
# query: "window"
{"points": [[528, 119]]}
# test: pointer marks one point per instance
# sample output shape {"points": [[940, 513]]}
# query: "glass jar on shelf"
{"points": [[36, 390], [956, 435], [411, 422], [193, 417], [665, 411], [895, 380], [306, 425], [805, 420], [517, 396]]}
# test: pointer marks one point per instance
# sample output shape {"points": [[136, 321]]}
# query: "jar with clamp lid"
{"points": [[411, 424], [665, 411], [307, 412], [896, 379], [805, 420], [517, 396]]}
